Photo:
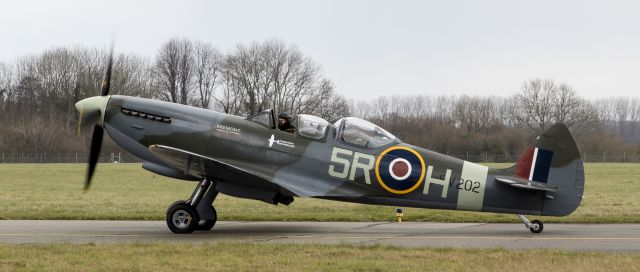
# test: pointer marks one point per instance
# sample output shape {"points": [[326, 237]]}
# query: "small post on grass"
{"points": [[399, 215], [76, 157]]}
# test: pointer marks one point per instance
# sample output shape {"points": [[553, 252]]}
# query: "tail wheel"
{"points": [[182, 218], [536, 226]]}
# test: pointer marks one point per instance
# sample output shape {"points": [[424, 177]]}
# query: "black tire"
{"points": [[182, 218], [175, 203], [537, 226], [207, 224]]}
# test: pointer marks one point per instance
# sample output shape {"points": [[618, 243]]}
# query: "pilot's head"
{"points": [[284, 120]]}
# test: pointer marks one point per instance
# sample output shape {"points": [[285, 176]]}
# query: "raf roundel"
{"points": [[400, 170]]}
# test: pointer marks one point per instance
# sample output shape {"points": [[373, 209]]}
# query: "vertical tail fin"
{"points": [[534, 164], [555, 161]]}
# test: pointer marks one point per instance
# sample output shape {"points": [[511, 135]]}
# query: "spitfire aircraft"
{"points": [[350, 160]]}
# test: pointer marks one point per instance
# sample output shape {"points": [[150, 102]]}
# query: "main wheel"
{"points": [[207, 224], [536, 226], [182, 218]]}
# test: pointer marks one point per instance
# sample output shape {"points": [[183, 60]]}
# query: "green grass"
{"points": [[296, 257], [125, 191]]}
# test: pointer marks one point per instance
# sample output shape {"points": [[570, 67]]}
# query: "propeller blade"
{"points": [[96, 106], [106, 83], [79, 122], [94, 154]]}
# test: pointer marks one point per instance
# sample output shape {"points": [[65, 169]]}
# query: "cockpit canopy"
{"points": [[363, 133], [352, 130], [307, 125], [311, 126], [265, 118]]}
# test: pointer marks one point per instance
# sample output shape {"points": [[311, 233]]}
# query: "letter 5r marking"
{"points": [[345, 163], [350, 164]]}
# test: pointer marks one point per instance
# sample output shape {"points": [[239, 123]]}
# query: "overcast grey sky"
{"points": [[370, 48]]}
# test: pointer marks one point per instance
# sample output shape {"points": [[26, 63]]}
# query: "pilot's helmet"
{"points": [[285, 115]]}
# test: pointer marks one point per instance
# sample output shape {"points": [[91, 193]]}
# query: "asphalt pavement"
{"points": [[578, 237]]}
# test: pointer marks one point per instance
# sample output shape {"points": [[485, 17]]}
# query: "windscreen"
{"points": [[311, 126], [363, 133]]}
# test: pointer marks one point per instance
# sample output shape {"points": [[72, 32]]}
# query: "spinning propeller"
{"points": [[92, 111]]}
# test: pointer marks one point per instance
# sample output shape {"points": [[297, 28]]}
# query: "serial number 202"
{"points": [[468, 185]]}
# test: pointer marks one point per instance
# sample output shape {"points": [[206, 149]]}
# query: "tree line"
{"points": [[38, 93], [499, 126]]}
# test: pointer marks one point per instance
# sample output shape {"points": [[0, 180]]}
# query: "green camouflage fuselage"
{"points": [[251, 160]]}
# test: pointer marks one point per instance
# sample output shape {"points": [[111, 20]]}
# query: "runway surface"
{"points": [[579, 237]]}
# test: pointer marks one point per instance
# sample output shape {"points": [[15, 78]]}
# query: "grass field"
{"points": [[125, 191], [291, 257]]}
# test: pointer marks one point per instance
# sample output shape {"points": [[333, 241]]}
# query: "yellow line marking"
{"points": [[326, 237], [462, 237]]}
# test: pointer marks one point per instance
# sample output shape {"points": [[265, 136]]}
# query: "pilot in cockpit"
{"points": [[284, 122]]}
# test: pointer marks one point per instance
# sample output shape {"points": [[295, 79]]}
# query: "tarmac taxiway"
{"points": [[578, 237]]}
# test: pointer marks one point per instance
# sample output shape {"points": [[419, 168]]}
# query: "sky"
{"points": [[369, 48]]}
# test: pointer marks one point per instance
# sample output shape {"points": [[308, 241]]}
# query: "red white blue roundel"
{"points": [[400, 169]]}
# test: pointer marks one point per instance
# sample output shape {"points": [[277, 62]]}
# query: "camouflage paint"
{"points": [[249, 159]]}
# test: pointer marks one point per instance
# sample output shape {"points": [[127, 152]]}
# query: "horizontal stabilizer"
{"points": [[525, 184]]}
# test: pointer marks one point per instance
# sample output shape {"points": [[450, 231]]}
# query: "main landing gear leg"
{"points": [[534, 226], [196, 213]]}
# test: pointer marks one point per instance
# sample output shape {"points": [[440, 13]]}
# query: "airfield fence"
{"points": [[26, 157], [483, 157]]}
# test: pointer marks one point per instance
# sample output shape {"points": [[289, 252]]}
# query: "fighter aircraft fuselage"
{"points": [[351, 160], [280, 164]]}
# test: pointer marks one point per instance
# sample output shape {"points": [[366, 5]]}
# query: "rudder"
{"points": [[555, 162]]}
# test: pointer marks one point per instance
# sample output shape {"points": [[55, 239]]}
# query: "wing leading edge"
{"points": [[238, 181]]}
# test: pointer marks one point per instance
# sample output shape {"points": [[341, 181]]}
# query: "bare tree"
{"points": [[325, 103], [535, 104], [229, 97], [6, 84], [28, 88], [479, 114], [621, 110], [271, 74], [542, 103], [248, 75], [37, 94], [292, 78], [90, 63], [634, 117], [57, 71], [131, 76], [173, 70], [574, 111], [208, 63], [620, 115]]}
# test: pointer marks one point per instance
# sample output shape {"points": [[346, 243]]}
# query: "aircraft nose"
{"points": [[92, 109]]}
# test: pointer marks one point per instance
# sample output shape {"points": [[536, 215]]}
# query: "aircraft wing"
{"points": [[243, 180]]}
